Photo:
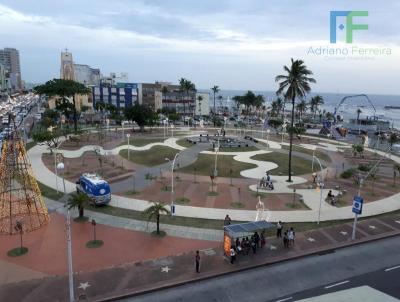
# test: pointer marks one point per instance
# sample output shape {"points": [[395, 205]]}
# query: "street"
{"points": [[376, 264]]}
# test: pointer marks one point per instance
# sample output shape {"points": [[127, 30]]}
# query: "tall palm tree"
{"points": [[301, 108], [215, 90], [156, 210], [78, 200], [294, 84], [200, 99], [315, 102]]}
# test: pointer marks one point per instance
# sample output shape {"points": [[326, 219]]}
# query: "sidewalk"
{"points": [[143, 276]]}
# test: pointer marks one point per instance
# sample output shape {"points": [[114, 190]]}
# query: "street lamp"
{"points": [[55, 165], [320, 183], [61, 167], [172, 182], [129, 150], [268, 131], [216, 159]]}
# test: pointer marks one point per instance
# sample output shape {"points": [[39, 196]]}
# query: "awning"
{"points": [[240, 229]]}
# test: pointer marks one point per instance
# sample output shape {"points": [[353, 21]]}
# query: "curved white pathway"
{"points": [[311, 197]]}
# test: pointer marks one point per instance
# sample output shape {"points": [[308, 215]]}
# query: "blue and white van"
{"points": [[95, 187]]}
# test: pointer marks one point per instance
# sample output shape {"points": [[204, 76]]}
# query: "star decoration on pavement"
{"points": [[84, 286], [372, 227], [311, 239], [343, 233], [165, 269], [272, 247]]}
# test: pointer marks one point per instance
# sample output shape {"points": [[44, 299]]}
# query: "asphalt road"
{"points": [[374, 264]]}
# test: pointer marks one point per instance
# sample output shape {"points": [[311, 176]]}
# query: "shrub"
{"points": [[364, 167], [347, 174]]}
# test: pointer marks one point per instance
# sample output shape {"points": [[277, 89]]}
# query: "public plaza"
{"points": [[140, 173]]}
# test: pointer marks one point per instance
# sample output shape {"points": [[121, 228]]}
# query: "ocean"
{"points": [[347, 109]]}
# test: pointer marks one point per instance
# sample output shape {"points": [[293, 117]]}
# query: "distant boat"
{"points": [[392, 107]]}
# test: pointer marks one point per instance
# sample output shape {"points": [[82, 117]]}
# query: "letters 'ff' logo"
{"points": [[350, 27]]}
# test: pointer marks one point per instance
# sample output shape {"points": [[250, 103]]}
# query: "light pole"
{"points": [[129, 150], [122, 124], [55, 165], [172, 182], [60, 167], [320, 183], [268, 131], [216, 160]]}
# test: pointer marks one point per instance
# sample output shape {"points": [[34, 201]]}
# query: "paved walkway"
{"points": [[149, 275], [310, 196], [141, 225]]}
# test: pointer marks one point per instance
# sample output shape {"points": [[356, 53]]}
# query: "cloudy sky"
{"points": [[236, 44]]}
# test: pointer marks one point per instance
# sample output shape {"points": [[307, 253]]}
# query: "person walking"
{"points": [[257, 239], [197, 259], [285, 240], [291, 236], [233, 255], [279, 227], [227, 220]]}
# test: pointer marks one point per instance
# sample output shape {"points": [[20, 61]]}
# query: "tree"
{"points": [[186, 86], [64, 89], [301, 108], [277, 106], [393, 138], [49, 118], [200, 99], [78, 200], [141, 114], [215, 89], [315, 102], [46, 137], [294, 84], [156, 210]]}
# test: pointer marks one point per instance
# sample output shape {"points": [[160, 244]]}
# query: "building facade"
{"points": [[86, 75], [9, 58], [122, 95], [67, 71], [3, 79]]}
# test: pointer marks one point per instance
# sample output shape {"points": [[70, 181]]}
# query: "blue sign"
{"points": [[357, 205]]}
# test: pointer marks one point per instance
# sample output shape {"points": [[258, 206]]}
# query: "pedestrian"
{"points": [[227, 220], [262, 239], [197, 262], [291, 236], [233, 255], [279, 229], [285, 240], [257, 239], [253, 244]]}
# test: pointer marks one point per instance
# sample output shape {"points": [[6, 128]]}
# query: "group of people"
{"points": [[246, 244], [331, 198], [288, 236], [266, 182]]}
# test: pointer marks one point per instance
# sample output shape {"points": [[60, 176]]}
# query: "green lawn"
{"points": [[50, 192], [300, 166], [184, 143], [321, 155], [204, 165], [152, 157], [140, 142]]}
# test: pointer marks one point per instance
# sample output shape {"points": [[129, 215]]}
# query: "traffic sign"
{"points": [[357, 205]]}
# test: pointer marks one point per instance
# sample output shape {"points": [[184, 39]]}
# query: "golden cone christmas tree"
{"points": [[20, 197]]}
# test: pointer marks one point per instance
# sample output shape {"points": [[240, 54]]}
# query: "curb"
{"points": [[276, 261]]}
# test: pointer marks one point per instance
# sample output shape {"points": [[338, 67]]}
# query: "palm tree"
{"points": [[156, 210], [215, 90], [294, 84], [200, 98], [301, 108], [78, 200], [359, 111], [315, 102]]}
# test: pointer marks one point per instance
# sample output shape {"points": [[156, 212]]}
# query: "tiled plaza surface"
{"points": [[141, 275]]}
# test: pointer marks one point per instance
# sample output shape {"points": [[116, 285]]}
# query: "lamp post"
{"points": [[268, 131], [55, 165], [61, 167], [216, 159], [129, 150], [172, 182], [320, 183]]}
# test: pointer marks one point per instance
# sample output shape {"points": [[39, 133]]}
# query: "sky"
{"points": [[235, 44]]}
